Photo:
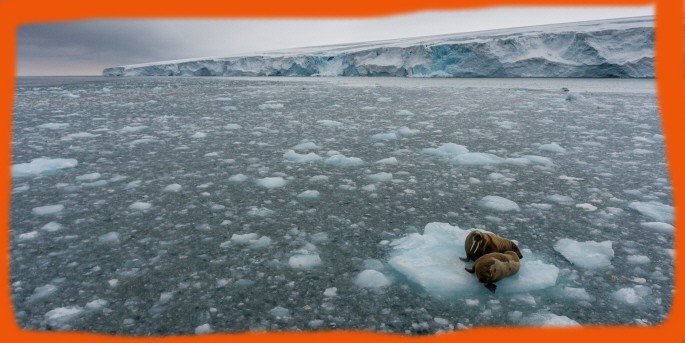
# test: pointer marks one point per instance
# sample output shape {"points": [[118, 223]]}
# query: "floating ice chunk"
{"points": [[42, 292], [238, 178], [576, 294], [573, 96], [61, 316], [498, 203], [319, 237], [370, 278], [174, 187], [655, 210], [88, 177], [244, 239], [292, 156], [380, 177], [279, 311], [552, 147], [140, 206], [389, 160], [232, 127], [27, 236], [545, 318], [561, 199], [52, 227], [405, 131], [330, 292], [271, 182], [130, 129], [260, 212], [374, 264], [47, 210], [53, 126], [384, 99], [304, 261], [477, 159], [307, 146], [587, 207], [199, 135], [404, 113], [447, 149], [69, 95], [587, 255], [260, 243], [632, 296], [638, 259], [109, 238], [97, 304], [384, 136], [270, 106], [308, 194], [658, 226], [41, 165], [330, 123], [539, 160], [369, 188], [432, 261], [343, 161], [203, 329]]}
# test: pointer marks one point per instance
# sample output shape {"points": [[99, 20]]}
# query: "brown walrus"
{"points": [[495, 266], [480, 243]]}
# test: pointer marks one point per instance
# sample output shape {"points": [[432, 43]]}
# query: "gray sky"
{"points": [[87, 47]]}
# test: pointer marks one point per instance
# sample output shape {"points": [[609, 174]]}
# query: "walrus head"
{"points": [[515, 249]]}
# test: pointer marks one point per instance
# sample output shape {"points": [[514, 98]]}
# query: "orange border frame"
{"points": [[670, 76]]}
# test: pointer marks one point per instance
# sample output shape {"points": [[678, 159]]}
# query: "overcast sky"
{"points": [[87, 47]]}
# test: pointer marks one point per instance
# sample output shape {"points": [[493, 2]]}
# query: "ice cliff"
{"points": [[605, 48]]}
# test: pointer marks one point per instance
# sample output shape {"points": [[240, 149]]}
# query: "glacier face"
{"points": [[607, 48]]}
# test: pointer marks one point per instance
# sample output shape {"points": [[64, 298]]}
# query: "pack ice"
{"points": [[431, 260]]}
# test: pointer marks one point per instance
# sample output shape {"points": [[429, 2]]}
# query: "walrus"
{"points": [[495, 266], [480, 243]]}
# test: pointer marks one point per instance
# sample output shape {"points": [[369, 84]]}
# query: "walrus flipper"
{"points": [[465, 259], [472, 270], [491, 286]]}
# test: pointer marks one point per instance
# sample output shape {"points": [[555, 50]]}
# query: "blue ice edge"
{"points": [[431, 260]]}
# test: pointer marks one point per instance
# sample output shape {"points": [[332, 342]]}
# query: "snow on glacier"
{"points": [[604, 48]]}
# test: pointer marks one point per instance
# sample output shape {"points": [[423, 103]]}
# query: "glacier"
{"points": [[616, 48]]}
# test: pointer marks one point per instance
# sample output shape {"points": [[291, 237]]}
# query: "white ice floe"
{"points": [[431, 260], [370, 278], [344, 161], [318, 178], [552, 147], [389, 160], [587, 207], [27, 236], [42, 292], [259, 212], [271, 182], [545, 318], [404, 113], [109, 238], [47, 209], [131, 129], [330, 123], [632, 296], [447, 149], [304, 261], [561, 199], [497, 203], [405, 131], [53, 126], [279, 312], [199, 135], [270, 106], [38, 166], [203, 329], [330, 292], [253, 240], [172, 188], [140, 206], [380, 177], [88, 177], [576, 294], [61, 316], [238, 178], [658, 227], [308, 194], [52, 227], [655, 210], [587, 255], [476, 159], [292, 156], [78, 135]]}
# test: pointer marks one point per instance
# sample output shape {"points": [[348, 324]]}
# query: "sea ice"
{"points": [[498, 203], [477, 159], [42, 165], [343, 161], [658, 226], [384, 136], [431, 260], [53, 126], [42, 292], [330, 123], [587, 255], [47, 210], [174, 187], [109, 238], [61, 316], [552, 147], [632, 296], [380, 177], [203, 329], [389, 160], [405, 131], [304, 261], [271, 182], [88, 177], [292, 156], [545, 318], [238, 178], [140, 206], [52, 227], [447, 149], [306, 146], [330, 292], [370, 278], [655, 210], [308, 194]]}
